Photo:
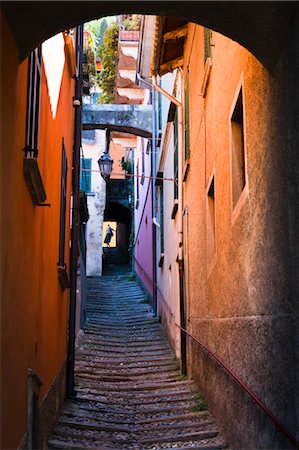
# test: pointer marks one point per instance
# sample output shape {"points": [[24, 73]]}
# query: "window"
{"points": [[85, 175], [159, 110], [237, 150], [187, 120], [31, 171], [175, 156], [207, 43], [210, 222], [33, 103], [148, 147], [62, 206], [62, 272]]}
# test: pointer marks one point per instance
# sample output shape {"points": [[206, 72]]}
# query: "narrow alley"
{"points": [[150, 226], [130, 392]]}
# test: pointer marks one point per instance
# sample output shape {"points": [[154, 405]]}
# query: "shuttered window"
{"points": [[85, 175], [33, 103], [161, 219], [159, 111], [62, 206], [207, 43], [175, 156], [187, 120]]}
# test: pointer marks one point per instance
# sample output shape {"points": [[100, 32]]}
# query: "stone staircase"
{"points": [[114, 261], [130, 392]]}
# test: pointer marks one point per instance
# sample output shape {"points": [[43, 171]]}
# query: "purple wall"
{"points": [[143, 252]]}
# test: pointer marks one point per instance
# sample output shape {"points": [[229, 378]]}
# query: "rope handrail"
{"points": [[220, 361]]}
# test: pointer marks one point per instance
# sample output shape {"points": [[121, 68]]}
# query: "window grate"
{"points": [[33, 103]]}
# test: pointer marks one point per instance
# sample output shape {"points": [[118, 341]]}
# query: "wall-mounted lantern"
{"points": [[105, 165]]}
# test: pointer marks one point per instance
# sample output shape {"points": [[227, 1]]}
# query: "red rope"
{"points": [[279, 425]]}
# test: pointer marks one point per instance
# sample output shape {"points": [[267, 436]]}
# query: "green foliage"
{"points": [[103, 28], [131, 277], [177, 365], [98, 28], [126, 165], [132, 23], [201, 404], [182, 378], [107, 52], [145, 300]]}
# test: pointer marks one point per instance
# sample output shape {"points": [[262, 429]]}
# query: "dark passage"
{"points": [[131, 394]]}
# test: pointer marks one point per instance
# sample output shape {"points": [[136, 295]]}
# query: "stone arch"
{"points": [[117, 212], [263, 28]]}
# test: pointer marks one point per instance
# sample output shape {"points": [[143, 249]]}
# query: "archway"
{"points": [[261, 28], [116, 212], [264, 28]]}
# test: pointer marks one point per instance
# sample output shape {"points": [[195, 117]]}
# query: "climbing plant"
{"points": [[131, 23], [107, 52]]}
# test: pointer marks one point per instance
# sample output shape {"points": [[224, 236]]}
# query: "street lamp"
{"points": [[105, 165]]}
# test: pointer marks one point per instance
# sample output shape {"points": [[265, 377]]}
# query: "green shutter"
{"points": [[207, 43], [175, 156], [187, 120], [85, 175]]}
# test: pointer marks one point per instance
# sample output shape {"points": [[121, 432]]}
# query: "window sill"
{"points": [[63, 277], [175, 209], [34, 180], [186, 169]]}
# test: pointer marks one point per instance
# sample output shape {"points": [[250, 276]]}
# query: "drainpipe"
{"points": [[180, 214], [153, 174], [77, 103]]}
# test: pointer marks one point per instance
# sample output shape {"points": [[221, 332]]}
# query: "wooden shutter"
{"points": [[175, 156], [187, 120], [207, 43], [85, 175], [62, 206], [33, 103]]}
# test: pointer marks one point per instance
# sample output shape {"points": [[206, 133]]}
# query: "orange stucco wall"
{"points": [[117, 151], [33, 306], [241, 303]]}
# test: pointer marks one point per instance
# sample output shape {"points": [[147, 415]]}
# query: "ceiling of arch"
{"points": [[263, 27]]}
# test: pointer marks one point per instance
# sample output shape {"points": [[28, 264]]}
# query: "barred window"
{"points": [[62, 206], [33, 102]]}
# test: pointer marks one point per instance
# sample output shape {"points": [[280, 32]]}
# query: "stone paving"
{"points": [[131, 394]]}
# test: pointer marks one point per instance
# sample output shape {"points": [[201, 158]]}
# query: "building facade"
{"points": [[37, 123], [224, 276]]}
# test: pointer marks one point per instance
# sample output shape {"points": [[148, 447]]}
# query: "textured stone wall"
{"points": [[96, 206], [244, 305], [50, 407]]}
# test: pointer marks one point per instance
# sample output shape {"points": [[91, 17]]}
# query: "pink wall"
{"points": [[143, 251]]}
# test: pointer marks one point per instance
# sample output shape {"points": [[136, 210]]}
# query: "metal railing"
{"points": [[222, 363]]}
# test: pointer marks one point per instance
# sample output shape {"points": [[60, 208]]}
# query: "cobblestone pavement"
{"points": [[131, 394]]}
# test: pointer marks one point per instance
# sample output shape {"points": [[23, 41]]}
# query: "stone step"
{"points": [[130, 392]]}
